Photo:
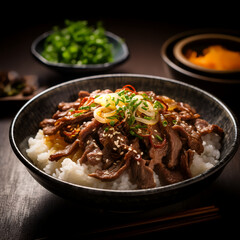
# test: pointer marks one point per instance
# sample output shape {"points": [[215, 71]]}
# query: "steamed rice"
{"points": [[69, 169]]}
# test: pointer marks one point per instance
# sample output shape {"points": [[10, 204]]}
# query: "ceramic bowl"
{"points": [[173, 54], [201, 41], [120, 55], [26, 124]]}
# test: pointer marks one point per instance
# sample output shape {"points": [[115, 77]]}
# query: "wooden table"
{"points": [[28, 211]]}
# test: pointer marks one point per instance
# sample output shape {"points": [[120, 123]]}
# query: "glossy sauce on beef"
{"points": [[126, 130]]}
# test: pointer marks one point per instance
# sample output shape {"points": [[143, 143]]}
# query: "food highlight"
{"points": [[125, 139]]}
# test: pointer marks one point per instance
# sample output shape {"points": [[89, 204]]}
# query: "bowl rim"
{"points": [[138, 192], [88, 67], [178, 50]]}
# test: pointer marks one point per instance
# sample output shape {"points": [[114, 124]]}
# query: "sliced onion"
{"points": [[146, 121], [108, 114], [139, 97], [97, 114], [150, 112], [102, 113]]}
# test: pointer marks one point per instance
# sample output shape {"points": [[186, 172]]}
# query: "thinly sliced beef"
{"points": [[51, 127], [114, 144], [171, 143], [112, 137], [150, 94], [140, 173], [157, 148], [92, 153], [166, 148], [166, 176], [47, 122], [83, 94], [185, 162], [164, 156], [60, 114], [204, 127], [87, 129], [175, 146], [114, 171], [109, 157], [65, 152], [63, 106], [157, 154], [190, 136], [99, 92]]}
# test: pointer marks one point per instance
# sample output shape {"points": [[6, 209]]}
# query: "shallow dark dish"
{"points": [[26, 124], [167, 53], [120, 55]]}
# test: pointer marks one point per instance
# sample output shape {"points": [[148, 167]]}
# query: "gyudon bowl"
{"points": [[25, 126]]}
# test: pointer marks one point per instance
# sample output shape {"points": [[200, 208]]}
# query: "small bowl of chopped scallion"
{"points": [[79, 47]]}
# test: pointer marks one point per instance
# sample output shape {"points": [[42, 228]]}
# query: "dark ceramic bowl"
{"points": [[120, 54], [26, 124], [201, 41], [173, 51]]}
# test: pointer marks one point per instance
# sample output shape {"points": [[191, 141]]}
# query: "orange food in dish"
{"points": [[216, 57]]}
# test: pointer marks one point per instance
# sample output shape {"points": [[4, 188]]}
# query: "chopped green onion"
{"points": [[78, 43], [112, 123], [135, 134], [84, 108], [159, 138], [77, 114], [113, 117], [147, 118], [164, 123], [146, 105], [157, 104]]}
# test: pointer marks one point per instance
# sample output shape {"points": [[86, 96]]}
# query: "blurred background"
{"points": [[16, 15], [144, 25]]}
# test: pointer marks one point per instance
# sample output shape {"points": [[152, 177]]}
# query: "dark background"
{"points": [[19, 14]]}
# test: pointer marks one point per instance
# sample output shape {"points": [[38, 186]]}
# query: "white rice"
{"points": [[74, 172]]}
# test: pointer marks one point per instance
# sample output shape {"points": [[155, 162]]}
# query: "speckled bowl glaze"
{"points": [[26, 124], [119, 50]]}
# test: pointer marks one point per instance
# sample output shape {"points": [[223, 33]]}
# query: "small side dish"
{"points": [[206, 56], [12, 85], [78, 43], [125, 139]]}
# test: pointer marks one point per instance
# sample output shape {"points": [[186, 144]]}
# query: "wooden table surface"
{"points": [[28, 211]]}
